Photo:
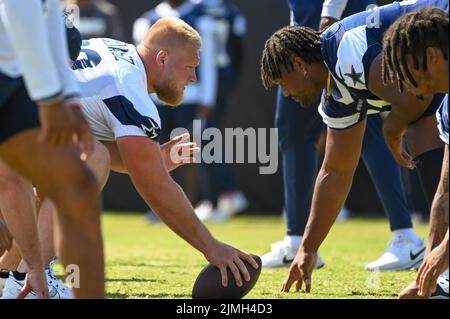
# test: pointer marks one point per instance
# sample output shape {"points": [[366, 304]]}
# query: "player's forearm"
{"points": [[330, 192], [440, 210], [172, 206]]}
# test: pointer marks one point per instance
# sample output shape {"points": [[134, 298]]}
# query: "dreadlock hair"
{"points": [[282, 45], [412, 34]]}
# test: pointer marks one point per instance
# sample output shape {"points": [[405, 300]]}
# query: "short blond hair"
{"points": [[169, 32]]}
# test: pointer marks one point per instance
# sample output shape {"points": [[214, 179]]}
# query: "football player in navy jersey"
{"points": [[345, 61], [415, 52], [300, 128]]}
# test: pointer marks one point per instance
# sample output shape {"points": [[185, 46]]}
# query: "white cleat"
{"points": [[282, 255], [442, 287], [204, 210], [2, 285], [13, 288], [55, 288], [229, 205], [402, 254]]}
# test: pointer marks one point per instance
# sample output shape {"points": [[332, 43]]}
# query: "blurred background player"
{"points": [[299, 132], [219, 194], [97, 19]]}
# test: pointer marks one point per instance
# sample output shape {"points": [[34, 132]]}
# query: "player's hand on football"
{"points": [[36, 282], [394, 133], [224, 256], [300, 272], [83, 134], [5, 238], [175, 153], [433, 265]]}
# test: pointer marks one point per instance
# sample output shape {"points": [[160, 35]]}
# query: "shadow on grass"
{"points": [[152, 265], [134, 280], [118, 295]]}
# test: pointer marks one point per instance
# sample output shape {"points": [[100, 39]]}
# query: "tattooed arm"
{"points": [[439, 209]]}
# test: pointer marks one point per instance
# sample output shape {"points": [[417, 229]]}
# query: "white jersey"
{"points": [[113, 82], [33, 45]]}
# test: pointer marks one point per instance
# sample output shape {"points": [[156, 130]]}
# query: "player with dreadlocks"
{"points": [[415, 53], [345, 60]]}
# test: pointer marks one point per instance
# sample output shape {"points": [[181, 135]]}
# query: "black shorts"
{"points": [[18, 112]]}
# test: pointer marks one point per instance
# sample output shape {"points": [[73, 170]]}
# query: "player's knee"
{"points": [[81, 189]]}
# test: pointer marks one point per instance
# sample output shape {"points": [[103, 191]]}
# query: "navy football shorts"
{"points": [[18, 113]]}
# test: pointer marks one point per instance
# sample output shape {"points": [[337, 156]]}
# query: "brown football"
{"points": [[209, 283]]}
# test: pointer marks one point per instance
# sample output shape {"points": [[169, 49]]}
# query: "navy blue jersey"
{"points": [[349, 48], [305, 13], [356, 6], [230, 30], [442, 117]]}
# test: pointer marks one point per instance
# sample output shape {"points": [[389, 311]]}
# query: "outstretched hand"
{"points": [[175, 153]]}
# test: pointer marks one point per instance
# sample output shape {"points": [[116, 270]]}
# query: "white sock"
{"points": [[293, 241], [406, 233]]}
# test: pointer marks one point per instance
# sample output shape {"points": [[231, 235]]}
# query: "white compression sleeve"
{"points": [[25, 25]]}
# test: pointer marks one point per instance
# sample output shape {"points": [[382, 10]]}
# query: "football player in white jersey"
{"points": [[116, 79], [38, 89], [422, 67]]}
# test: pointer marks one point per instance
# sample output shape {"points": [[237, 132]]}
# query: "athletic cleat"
{"points": [[442, 287], [282, 255], [204, 210], [13, 288], [56, 289], [2, 285], [402, 254], [229, 205]]}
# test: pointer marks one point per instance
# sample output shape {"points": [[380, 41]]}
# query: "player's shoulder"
{"points": [[350, 54]]}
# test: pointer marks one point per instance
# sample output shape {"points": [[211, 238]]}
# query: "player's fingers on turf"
{"points": [[224, 275], [288, 283], [242, 268], [236, 274], [433, 282], [307, 278], [424, 281], [299, 285], [249, 259]]}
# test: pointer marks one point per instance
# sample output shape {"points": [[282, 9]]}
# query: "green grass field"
{"points": [[148, 261]]}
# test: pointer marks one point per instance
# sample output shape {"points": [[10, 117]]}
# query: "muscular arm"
{"points": [[406, 109], [439, 209], [142, 159], [333, 183]]}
